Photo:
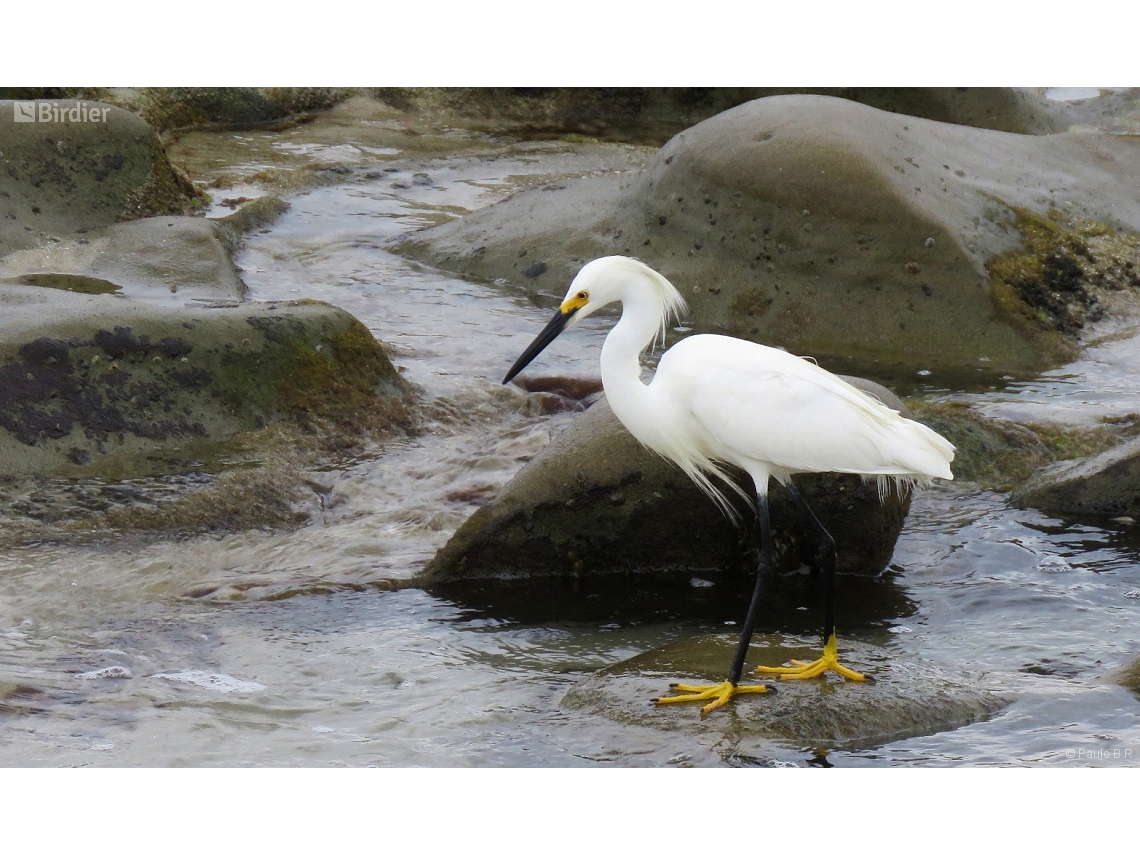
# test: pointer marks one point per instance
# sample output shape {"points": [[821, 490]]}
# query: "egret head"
{"points": [[603, 281]]}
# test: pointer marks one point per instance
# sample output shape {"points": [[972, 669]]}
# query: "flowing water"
{"points": [[284, 648]]}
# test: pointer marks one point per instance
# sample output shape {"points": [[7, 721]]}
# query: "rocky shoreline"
{"points": [[880, 230], [127, 346]]}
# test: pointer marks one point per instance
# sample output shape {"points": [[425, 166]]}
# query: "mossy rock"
{"points": [[91, 385], [999, 454], [1105, 484], [907, 698], [824, 226], [1127, 675], [59, 179], [595, 502], [169, 108]]}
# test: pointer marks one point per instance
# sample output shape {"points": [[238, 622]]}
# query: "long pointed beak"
{"points": [[548, 334]]}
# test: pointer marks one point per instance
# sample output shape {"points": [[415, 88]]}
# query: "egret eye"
{"points": [[583, 295]]}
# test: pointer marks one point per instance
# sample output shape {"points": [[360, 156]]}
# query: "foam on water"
{"points": [[217, 682]]}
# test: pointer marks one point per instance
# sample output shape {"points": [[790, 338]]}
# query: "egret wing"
{"points": [[765, 405]]}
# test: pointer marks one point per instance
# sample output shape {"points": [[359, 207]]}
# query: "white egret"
{"points": [[717, 400]]}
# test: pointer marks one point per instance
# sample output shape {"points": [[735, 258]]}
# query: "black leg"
{"points": [[825, 558], [763, 574]]}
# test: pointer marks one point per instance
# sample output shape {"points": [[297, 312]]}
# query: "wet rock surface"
{"points": [[821, 225], [1106, 484], [95, 385], [596, 502], [174, 108], [653, 114], [907, 697], [66, 178], [1127, 675], [125, 346], [171, 260], [1000, 454]]}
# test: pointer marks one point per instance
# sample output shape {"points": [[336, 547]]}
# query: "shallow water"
{"points": [[270, 648]]}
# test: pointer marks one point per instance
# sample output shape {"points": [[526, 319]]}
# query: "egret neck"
{"points": [[632, 400]]}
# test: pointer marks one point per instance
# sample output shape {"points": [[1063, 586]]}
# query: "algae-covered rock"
{"points": [[95, 385], [999, 454], [821, 225], [1127, 675], [63, 178], [596, 502], [1106, 484], [172, 108], [907, 698]]}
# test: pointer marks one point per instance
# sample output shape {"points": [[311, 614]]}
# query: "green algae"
{"points": [[302, 375], [1057, 279], [998, 454], [67, 282]]}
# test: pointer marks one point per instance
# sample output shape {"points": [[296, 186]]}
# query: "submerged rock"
{"points": [[596, 502], [1127, 675], [999, 454], [1106, 484], [824, 226], [907, 698]]}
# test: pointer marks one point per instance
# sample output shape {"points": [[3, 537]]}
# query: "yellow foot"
{"points": [[720, 694], [805, 670]]}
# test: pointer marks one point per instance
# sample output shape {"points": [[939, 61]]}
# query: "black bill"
{"points": [[548, 334]]}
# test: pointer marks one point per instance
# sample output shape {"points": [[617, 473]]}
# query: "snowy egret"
{"points": [[716, 400]]}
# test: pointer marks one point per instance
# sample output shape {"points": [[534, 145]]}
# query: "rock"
{"points": [[66, 178], [907, 698], [801, 221], [126, 349], [95, 385], [999, 454], [255, 214], [1106, 484], [596, 502], [171, 108], [652, 115], [170, 260], [1127, 675]]}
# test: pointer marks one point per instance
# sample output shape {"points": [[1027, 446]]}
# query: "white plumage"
{"points": [[716, 399]]}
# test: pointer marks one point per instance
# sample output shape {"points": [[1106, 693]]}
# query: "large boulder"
{"points": [[95, 385], [595, 502], [1105, 484], [69, 176], [654, 114], [827, 227]]}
